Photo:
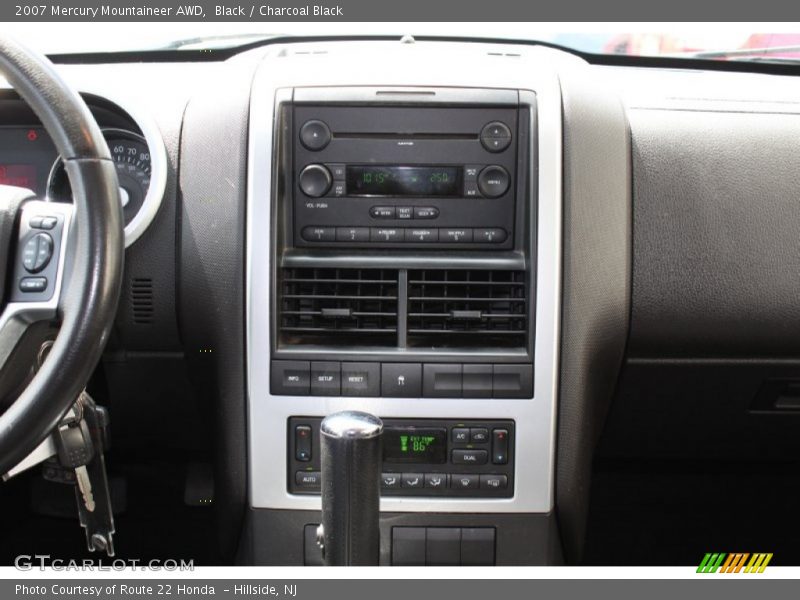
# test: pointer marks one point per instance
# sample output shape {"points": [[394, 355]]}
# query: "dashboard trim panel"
{"points": [[535, 419]]}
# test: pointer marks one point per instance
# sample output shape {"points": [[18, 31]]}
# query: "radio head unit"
{"points": [[406, 176]]}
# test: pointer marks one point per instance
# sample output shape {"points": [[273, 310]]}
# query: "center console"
{"points": [[403, 260]]}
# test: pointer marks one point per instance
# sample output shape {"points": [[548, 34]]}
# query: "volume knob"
{"points": [[315, 180]]}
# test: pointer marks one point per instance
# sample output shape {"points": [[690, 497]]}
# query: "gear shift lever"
{"points": [[351, 469]]}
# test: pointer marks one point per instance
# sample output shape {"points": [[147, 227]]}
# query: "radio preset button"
{"points": [[382, 212], [496, 136], [315, 135], [426, 212], [470, 457], [352, 234], [313, 233], [493, 181], [422, 235], [455, 235], [491, 235], [386, 234], [315, 181]]}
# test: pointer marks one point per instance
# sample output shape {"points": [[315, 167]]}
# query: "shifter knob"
{"points": [[351, 469]]}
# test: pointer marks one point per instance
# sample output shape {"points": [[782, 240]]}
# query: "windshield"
{"points": [[726, 44]]}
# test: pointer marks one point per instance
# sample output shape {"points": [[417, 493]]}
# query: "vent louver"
{"points": [[335, 307], [142, 300], [467, 308]]}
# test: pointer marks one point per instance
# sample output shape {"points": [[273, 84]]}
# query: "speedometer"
{"points": [[131, 158]]}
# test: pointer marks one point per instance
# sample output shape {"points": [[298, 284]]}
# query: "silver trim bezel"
{"points": [[535, 419], [159, 163]]}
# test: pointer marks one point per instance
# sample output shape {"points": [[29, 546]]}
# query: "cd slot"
{"points": [[405, 136]]}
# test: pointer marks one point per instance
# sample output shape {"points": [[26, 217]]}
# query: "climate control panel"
{"points": [[421, 457]]}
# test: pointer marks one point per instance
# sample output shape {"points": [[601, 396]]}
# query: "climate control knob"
{"points": [[315, 180], [493, 181]]}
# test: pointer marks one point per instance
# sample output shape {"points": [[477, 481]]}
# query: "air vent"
{"points": [[467, 308], [142, 300], [335, 307]]}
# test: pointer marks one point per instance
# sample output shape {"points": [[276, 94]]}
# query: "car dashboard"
{"points": [[490, 246]]}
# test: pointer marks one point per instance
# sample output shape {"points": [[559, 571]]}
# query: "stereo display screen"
{"points": [[380, 180]]}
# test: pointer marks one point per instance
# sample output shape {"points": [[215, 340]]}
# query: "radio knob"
{"points": [[315, 181], [315, 135], [493, 181]]}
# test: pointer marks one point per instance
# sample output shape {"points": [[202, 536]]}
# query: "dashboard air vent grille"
{"points": [[329, 306], [467, 308], [142, 300]]}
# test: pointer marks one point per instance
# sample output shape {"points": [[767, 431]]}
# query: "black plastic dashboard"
{"points": [[667, 256]]}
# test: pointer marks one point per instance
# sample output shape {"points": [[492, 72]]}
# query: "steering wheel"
{"points": [[58, 262]]}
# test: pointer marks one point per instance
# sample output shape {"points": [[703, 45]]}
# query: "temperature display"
{"points": [[415, 445], [379, 180]]}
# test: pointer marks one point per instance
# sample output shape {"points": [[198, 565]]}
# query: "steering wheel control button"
{"points": [[37, 252], [302, 443], [326, 379], [319, 234], [470, 457], [382, 212], [426, 212], [315, 181], [496, 136], [290, 377], [491, 235], [31, 285], [494, 482], [315, 135], [493, 181], [401, 380]]}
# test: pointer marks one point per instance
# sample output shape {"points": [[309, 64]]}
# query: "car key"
{"points": [[76, 450], [98, 522]]}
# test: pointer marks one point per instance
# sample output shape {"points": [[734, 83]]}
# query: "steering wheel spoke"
{"points": [[37, 259]]}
